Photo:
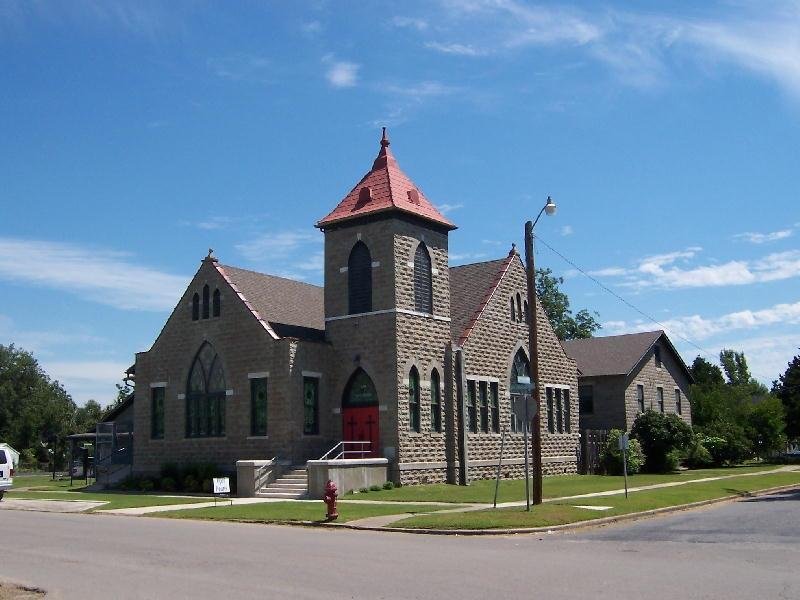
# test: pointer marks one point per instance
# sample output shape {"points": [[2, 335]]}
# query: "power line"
{"points": [[620, 298]]}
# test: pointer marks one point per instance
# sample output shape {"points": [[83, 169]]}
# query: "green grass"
{"points": [[271, 512], [46, 482], [564, 511], [113, 500], [556, 486]]}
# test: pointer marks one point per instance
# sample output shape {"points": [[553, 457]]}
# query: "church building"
{"points": [[413, 358]]}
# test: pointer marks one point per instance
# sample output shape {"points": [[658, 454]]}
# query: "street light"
{"points": [[530, 269]]}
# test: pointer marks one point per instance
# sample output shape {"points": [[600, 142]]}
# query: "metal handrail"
{"points": [[261, 471], [344, 451]]}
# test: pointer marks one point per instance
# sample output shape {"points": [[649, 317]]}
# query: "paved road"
{"points": [[744, 550]]}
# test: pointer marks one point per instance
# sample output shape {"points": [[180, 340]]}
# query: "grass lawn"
{"points": [[269, 512], [555, 486], [46, 482], [563, 511]]}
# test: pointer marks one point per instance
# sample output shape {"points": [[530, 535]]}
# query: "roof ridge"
{"points": [[274, 276], [618, 335], [480, 262]]}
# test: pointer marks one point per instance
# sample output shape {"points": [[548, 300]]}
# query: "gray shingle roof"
{"points": [[610, 355], [292, 308]]}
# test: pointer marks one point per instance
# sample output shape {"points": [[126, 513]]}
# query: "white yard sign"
{"points": [[222, 485]]}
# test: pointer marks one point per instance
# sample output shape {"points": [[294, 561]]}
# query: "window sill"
{"points": [[415, 434], [158, 439], [312, 435], [257, 437]]}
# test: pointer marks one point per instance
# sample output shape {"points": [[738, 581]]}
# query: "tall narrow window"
{"points": [[413, 400], [359, 279], [640, 397], [678, 407], [567, 416], [310, 406], [494, 398], [205, 301], [586, 399], [215, 304], [519, 387], [660, 398], [559, 411], [519, 307], [472, 414], [436, 402], [551, 424], [157, 413], [513, 310], [527, 312], [657, 356], [484, 399], [423, 280], [258, 406], [205, 395], [195, 306]]}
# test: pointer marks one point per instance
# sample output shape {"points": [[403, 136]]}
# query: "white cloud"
{"points": [[456, 48], [414, 23], [86, 380], [293, 254], [566, 230], [96, 274], [761, 238], [341, 74], [448, 208], [311, 28], [41, 342], [662, 271]]}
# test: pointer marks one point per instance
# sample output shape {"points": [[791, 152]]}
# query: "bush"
{"points": [[363, 490], [374, 488], [190, 484], [27, 459], [171, 471], [168, 484], [207, 486], [389, 485], [146, 485], [727, 442], [611, 455], [698, 456], [660, 436]]}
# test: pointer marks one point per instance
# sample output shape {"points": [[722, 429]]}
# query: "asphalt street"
{"points": [[748, 549]]}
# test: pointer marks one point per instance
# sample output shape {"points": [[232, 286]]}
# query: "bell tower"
{"points": [[387, 300]]}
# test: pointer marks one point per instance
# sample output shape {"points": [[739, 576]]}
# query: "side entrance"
{"points": [[360, 418]]}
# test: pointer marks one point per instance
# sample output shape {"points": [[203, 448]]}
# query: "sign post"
{"points": [[524, 412], [222, 488], [623, 446]]}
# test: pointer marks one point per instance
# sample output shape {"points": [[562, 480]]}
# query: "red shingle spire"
{"points": [[385, 188]]}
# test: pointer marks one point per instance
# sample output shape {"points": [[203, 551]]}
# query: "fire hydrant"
{"points": [[330, 500]]}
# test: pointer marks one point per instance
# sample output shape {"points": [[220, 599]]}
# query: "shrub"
{"points": [[27, 459], [130, 483], [661, 435], [363, 491], [168, 484], [190, 484], [146, 485], [698, 456], [207, 486], [611, 455], [727, 442], [171, 471], [389, 485], [374, 488]]}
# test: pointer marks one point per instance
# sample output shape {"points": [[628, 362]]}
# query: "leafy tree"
{"points": [[87, 416], [706, 374], [787, 389], [765, 427], [662, 436], [611, 455], [556, 306]]}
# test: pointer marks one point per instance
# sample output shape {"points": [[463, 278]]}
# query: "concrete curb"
{"points": [[590, 523]]}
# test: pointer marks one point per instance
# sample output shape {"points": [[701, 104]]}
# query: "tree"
{"points": [[706, 374], [87, 416], [787, 389], [765, 427], [662, 437], [555, 304], [738, 373]]}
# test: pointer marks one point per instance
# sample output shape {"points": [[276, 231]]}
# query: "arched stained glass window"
{"points": [[215, 304], [360, 391], [413, 400], [205, 301], [519, 386], [423, 280], [195, 307], [436, 402], [205, 395], [359, 279]]}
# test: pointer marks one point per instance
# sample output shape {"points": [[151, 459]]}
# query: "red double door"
{"points": [[360, 424]]}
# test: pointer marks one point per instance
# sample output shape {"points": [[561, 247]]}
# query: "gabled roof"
{"points": [[385, 188], [286, 307], [471, 288], [616, 354]]}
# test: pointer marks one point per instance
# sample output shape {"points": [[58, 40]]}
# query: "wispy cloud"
{"points": [[42, 342], [698, 328], [448, 208], [671, 271], [761, 238], [411, 22], [339, 73], [407, 97], [311, 28], [457, 49], [86, 380], [294, 254], [219, 222], [242, 67], [99, 275], [566, 230]]}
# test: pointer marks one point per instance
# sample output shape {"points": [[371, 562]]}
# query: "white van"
{"points": [[6, 471]]}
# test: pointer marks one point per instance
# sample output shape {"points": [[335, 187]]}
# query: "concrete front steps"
{"points": [[292, 485]]}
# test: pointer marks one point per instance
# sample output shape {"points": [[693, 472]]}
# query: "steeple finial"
{"points": [[385, 157], [384, 139], [513, 251]]}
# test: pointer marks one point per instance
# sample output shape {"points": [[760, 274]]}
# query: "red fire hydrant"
{"points": [[330, 500]]}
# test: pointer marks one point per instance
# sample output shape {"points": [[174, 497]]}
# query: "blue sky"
{"points": [[137, 135]]}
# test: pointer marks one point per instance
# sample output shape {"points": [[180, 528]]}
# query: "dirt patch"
{"points": [[10, 591]]}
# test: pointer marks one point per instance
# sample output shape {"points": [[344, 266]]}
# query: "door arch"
{"points": [[360, 416]]}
